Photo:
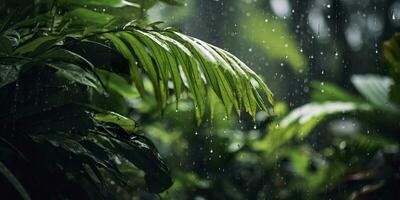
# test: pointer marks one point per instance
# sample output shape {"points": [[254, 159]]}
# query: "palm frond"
{"points": [[192, 64]]}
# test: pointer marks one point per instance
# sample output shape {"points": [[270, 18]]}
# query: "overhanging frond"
{"points": [[189, 63]]}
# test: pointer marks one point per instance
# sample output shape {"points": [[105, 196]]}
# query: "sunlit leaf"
{"points": [[168, 55], [302, 120], [375, 89]]}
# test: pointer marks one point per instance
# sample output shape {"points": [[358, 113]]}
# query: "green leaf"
{"points": [[14, 181], [392, 57], [78, 74], [65, 56], [142, 153], [127, 124], [109, 3], [147, 63], [375, 89], [117, 83], [125, 52], [329, 92], [35, 43], [302, 120], [86, 16]]}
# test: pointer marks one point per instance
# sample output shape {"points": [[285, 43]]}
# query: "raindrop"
{"points": [[211, 151], [196, 133]]}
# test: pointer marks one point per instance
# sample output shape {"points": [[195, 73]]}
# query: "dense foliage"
{"points": [[101, 101], [71, 77]]}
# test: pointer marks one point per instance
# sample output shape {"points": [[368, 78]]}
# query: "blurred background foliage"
{"points": [[336, 82]]}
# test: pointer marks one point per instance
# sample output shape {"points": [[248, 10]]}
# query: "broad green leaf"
{"points": [[32, 45], [78, 74], [142, 153], [82, 15], [65, 56], [375, 89], [69, 143], [14, 181], [127, 124], [302, 120]]}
